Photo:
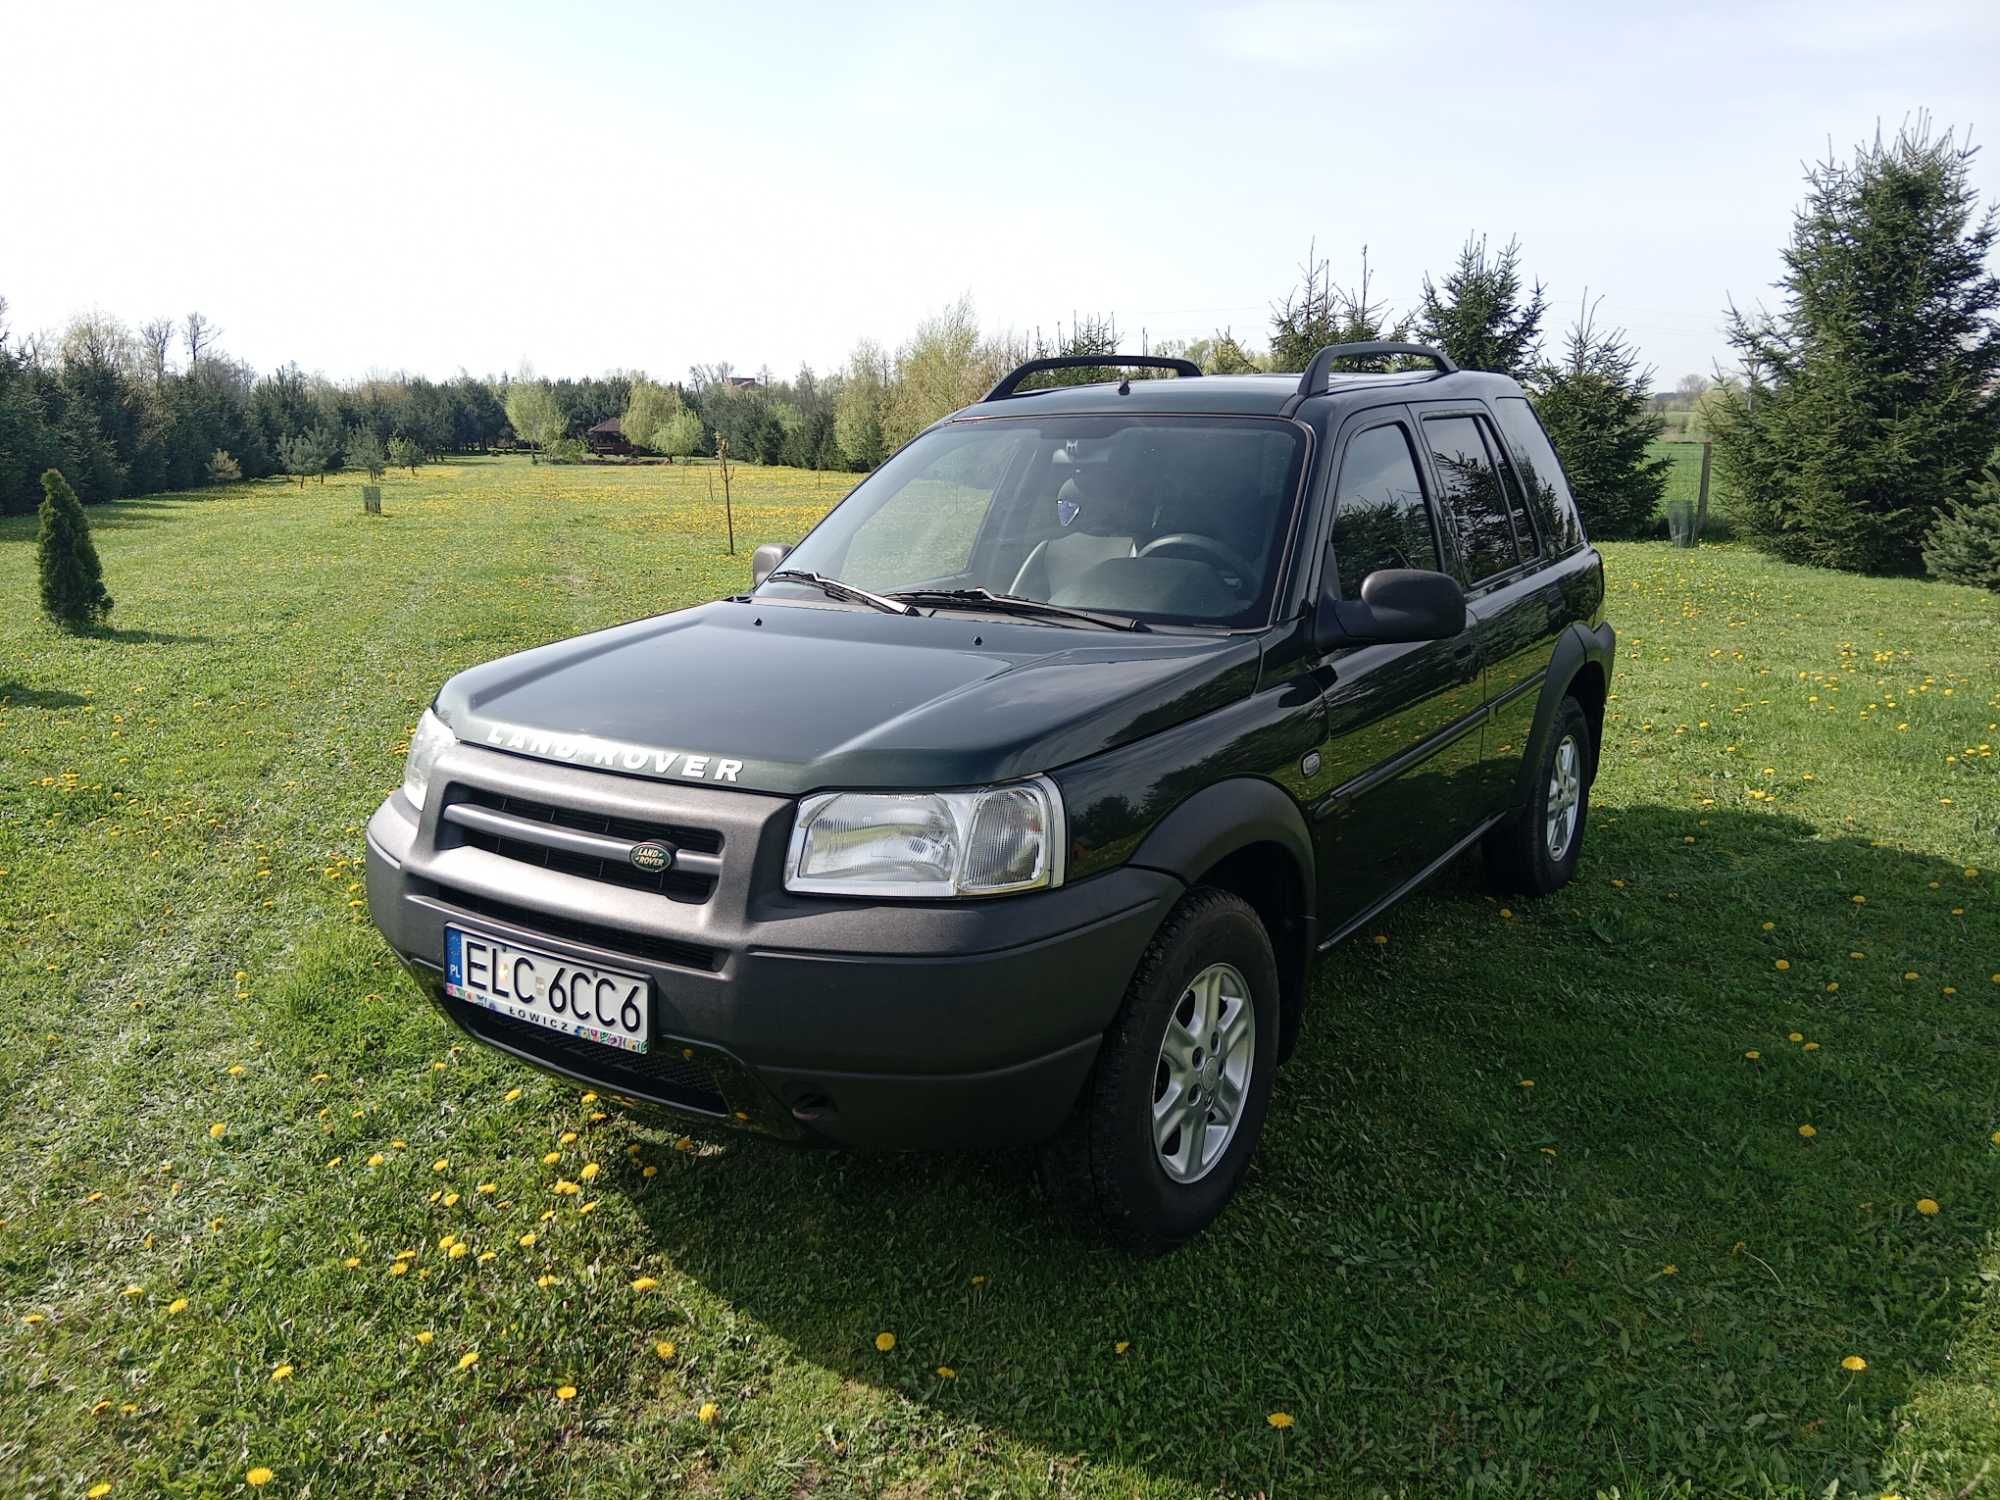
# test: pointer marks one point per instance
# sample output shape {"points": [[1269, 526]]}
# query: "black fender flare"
{"points": [[1576, 647], [1224, 819]]}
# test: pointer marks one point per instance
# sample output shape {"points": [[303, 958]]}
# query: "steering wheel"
{"points": [[1206, 548]]}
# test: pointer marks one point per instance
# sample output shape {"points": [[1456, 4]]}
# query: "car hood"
{"points": [[790, 698]]}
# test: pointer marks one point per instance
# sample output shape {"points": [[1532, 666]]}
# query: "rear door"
{"points": [[1514, 600], [1402, 741]]}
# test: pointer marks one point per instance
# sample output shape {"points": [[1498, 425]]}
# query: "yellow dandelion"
{"points": [[708, 1413], [1854, 1364], [512, 1095], [550, 1158], [565, 1393], [590, 1207], [450, 1200], [527, 1241], [258, 1477], [1927, 1206], [665, 1349], [1768, 926], [650, 1171], [567, 1188], [333, 1162], [424, 1337], [217, 1131], [1753, 1054], [1784, 963], [135, 1290], [1795, 1036], [590, 1171], [236, 1070], [946, 1372], [468, 1359], [644, 1284], [282, 1372], [1807, 1131], [545, 1280], [1280, 1420], [1527, 1083], [98, 1491], [885, 1341], [442, 1164], [178, 1305], [1911, 974], [1121, 1346], [351, 1262], [489, 1187], [568, 1137], [459, 1249], [981, 1280], [377, 1159]]}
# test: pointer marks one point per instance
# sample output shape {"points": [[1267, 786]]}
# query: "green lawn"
{"points": [[1684, 482], [1530, 1218]]}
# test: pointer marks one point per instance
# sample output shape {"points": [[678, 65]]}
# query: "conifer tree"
{"points": [[1873, 395], [1480, 316], [1594, 403], [72, 579]]}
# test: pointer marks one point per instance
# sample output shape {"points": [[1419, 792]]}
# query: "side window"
{"points": [[1473, 502], [1548, 493], [1380, 519], [1525, 531]]}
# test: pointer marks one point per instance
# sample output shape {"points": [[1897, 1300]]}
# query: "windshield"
{"points": [[1178, 520]]}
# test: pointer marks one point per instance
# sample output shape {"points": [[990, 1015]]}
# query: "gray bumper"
{"points": [[964, 1024]]}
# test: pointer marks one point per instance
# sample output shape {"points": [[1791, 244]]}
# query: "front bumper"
{"points": [[968, 1024]]}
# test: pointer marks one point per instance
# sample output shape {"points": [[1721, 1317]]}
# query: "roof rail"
{"points": [[1314, 381], [1182, 367]]}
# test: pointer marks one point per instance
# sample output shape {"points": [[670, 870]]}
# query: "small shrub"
{"points": [[73, 592], [567, 450], [1964, 543], [404, 453], [223, 467]]}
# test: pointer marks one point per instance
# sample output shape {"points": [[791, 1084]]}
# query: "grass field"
{"points": [[1537, 1212], [1684, 483]]}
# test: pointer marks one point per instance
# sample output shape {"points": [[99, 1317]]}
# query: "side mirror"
{"points": [[766, 560], [1396, 605]]}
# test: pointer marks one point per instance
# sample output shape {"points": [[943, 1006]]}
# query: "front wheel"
{"points": [[1535, 852], [1172, 1113]]}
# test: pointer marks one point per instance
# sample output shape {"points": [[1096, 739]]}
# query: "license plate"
{"points": [[599, 1005]]}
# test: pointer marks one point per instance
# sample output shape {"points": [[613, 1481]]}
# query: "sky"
{"points": [[424, 188]]}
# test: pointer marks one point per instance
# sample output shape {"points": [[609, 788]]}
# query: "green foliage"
{"points": [[309, 454], [1874, 395], [533, 413], [404, 453], [1594, 404], [72, 579], [364, 452], [223, 467], [1480, 316], [1318, 312], [1964, 542], [945, 365], [679, 436], [857, 416], [566, 450], [648, 412]]}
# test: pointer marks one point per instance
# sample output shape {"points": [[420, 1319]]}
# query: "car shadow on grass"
{"points": [[1534, 1210], [20, 695]]}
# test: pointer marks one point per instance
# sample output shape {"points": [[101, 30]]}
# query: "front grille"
{"points": [[663, 1074], [676, 884], [612, 939]]}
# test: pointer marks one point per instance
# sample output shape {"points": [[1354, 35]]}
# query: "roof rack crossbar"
{"points": [[1182, 367], [1314, 381]]}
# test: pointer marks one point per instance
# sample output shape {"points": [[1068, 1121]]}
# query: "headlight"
{"points": [[430, 741], [977, 843]]}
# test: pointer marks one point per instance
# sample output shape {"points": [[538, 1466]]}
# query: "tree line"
{"points": [[1860, 431]]}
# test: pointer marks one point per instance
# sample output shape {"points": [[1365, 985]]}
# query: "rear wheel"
{"points": [[1172, 1112], [1535, 852]]}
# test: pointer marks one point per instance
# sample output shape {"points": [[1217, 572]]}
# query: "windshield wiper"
{"points": [[833, 588], [1014, 604]]}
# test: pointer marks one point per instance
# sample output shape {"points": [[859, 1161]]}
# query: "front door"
{"points": [[1402, 739]]}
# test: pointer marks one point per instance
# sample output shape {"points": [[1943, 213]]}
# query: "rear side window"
{"points": [[1541, 476], [1380, 519], [1510, 485], [1474, 503]]}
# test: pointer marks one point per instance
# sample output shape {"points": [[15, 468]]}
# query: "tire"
{"points": [[1149, 1191], [1535, 852]]}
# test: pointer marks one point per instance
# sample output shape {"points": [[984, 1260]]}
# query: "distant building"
{"points": [[743, 382], [608, 436]]}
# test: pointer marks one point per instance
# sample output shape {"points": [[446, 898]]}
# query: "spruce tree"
{"points": [[1594, 403], [72, 579], [1873, 395], [1964, 543], [1480, 316]]}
